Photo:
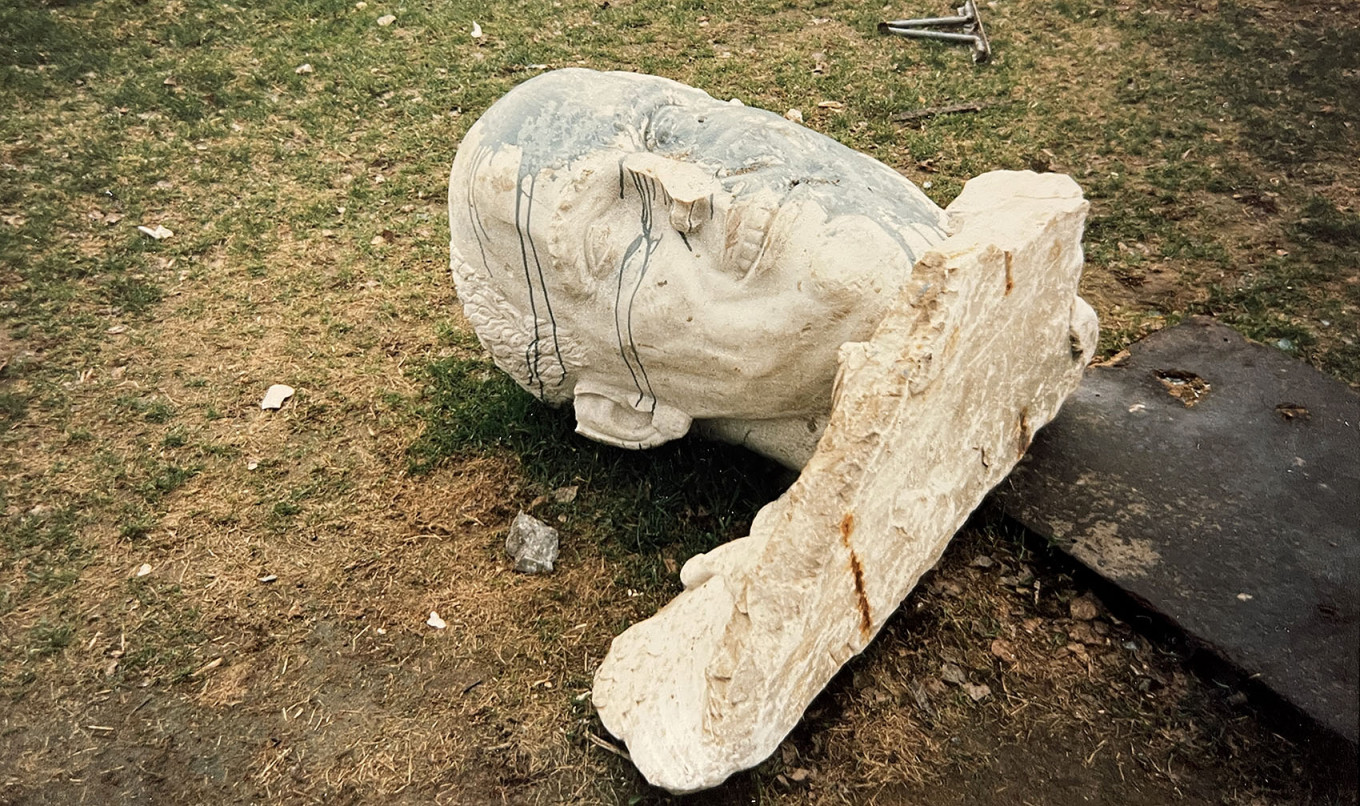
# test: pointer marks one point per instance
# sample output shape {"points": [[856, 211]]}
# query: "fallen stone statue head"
{"points": [[660, 259]]}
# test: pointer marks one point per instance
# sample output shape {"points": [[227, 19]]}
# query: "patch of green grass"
{"points": [[43, 549], [132, 295], [150, 409], [1292, 87], [33, 37], [286, 509], [165, 479], [137, 529], [165, 643], [688, 495], [1323, 222], [49, 639], [13, 408]]}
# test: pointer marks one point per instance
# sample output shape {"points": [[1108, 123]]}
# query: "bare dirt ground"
{"points": [[201, 601]]}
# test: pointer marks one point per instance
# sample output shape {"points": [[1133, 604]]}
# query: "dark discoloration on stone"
{"points": [[1025, 433], [866, 616], [1237, 518]]}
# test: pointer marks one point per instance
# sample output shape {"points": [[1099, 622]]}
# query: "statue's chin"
{"points": [[788, 440]]}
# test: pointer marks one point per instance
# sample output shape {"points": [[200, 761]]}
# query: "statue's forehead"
{"points": [[561, 117]]}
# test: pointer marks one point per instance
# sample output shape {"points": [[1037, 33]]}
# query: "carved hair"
{"points": [[547, 371]]}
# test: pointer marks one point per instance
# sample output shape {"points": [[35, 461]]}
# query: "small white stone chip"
{"points": [[435, 621], [143, 570], [157, 232], [275, 395], [386, 20]]}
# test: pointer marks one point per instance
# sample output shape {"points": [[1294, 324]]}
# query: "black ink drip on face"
{"points": [[533, 353], [474, 216], [623, 319]]}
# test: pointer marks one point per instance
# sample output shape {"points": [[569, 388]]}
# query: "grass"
{"points": [[1216, 144], [685, 497]]}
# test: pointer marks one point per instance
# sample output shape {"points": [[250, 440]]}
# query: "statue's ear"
{"points": [[602, 414], [690, 187]]}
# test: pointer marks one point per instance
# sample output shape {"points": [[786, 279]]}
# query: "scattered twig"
{"points": [[603, 745], [932, 111], [207, 667]]}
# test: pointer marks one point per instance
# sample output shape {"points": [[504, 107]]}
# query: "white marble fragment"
{"points": [[977, 351], [533, 545]]}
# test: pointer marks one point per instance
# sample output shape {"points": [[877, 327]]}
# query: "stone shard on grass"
{"points": [[533, 545], [979, 349]]}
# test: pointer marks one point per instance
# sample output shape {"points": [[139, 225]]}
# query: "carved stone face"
{"points": [[658, 256]]}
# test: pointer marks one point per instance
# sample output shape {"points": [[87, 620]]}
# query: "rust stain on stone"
{"points": [[1026, 433], [1010, 278], [866, 621]]}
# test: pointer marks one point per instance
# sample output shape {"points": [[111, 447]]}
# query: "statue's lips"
{"points": [[748, 232]]}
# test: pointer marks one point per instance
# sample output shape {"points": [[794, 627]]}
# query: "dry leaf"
{"points": [[795, 115], [1083, 608], [977, 693], [386, 20], [476, 31], [304, 69], [830, 105], [143, 570], [268, 578]]}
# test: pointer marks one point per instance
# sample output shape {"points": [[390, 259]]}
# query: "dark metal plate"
{"points": [[1218, 482]]}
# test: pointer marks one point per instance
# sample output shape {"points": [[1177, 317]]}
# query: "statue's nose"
{"points": [[690, 188]]}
